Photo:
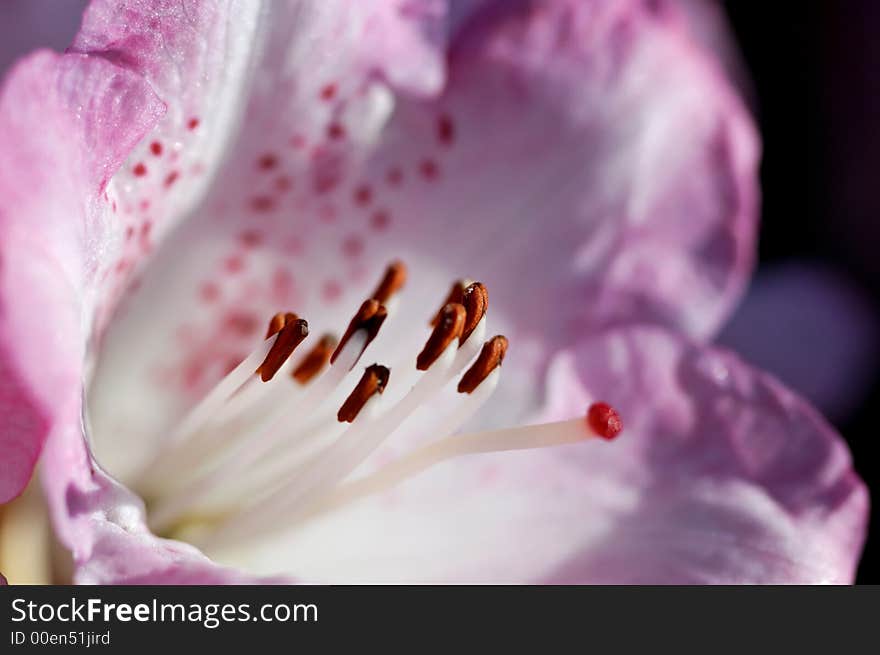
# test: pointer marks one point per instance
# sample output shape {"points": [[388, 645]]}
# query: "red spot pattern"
{"points": [[242, 324], [263, 203], [380, 221], [328, 92], [233, 264], [139, 170], [394, 177], [267, 162], [251, 238], [335, 131], [331, 290], [363, 195], [429, 169], [352, 246], [156, 148], [283, 183], [209, 292], [445, 130], [171, 178], [193, 123]]}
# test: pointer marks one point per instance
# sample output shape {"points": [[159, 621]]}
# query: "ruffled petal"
{"points": [[720, 476]]}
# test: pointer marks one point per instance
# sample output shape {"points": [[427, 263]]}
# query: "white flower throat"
{"points": [[273, 444]]}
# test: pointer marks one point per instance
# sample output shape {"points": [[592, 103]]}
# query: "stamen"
{"points": [[369, 318], [277, 322], [392, 282], [476, 301], [455, 295], [253, 458], [489, 359], [604, 420], [447, 329], [315, 361], [373, 381], [291, 335]]}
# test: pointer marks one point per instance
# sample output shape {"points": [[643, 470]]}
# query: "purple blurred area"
{"points": [[31, 24]]}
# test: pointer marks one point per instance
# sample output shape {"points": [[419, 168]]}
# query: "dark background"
{"points": [[816, 76]]}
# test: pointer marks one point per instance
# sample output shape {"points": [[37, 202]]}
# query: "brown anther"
{"points": [[277, 322], [369, 317], [392, 282], [455, 295], [448, 328], [315, 360], [476, 301], [291, 335], [488, 360], [373, 381]]}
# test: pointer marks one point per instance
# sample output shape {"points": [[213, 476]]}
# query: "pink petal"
{"points": [[720, 476], [604, 176], [65, 124]]}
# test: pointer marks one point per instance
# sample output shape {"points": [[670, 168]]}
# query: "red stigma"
{"points": [[604, 420]]}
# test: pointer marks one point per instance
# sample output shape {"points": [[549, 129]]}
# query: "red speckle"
{"points": [[114, 206], [283, 183], [394, 177], [129, 232], [233, 264], [331, 290], [263, 203], [327, 214], [283, 284], [193, 123], [294, 246], [335, 131], [328, 92], [604, 420], [209, 292], [298, 141], [145, 205], [429, 169], [352, 246], [146, 228], [171, 178], [140, 170], [363, 195], [267, 162], [242, 324], [445, 130], [251, 238], [380, 221], [156, 148]]}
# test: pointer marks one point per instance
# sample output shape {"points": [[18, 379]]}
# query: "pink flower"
{"points": [[188, 169]]}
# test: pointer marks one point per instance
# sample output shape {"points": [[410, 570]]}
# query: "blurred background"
{"points": [[812, 77]]}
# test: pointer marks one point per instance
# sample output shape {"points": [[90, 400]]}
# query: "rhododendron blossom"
{"points": [[397, 291]]}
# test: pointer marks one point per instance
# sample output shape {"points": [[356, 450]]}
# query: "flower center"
{"points": [[282, 437]]}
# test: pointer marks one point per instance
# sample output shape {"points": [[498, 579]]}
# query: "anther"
{"points": [[277, 322], [373, 381], [455, 295], [291, 335], [476, 301], [450, 326], [488, 360], [369, 318], [604, 420], [315, 360], [392, 282]]}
